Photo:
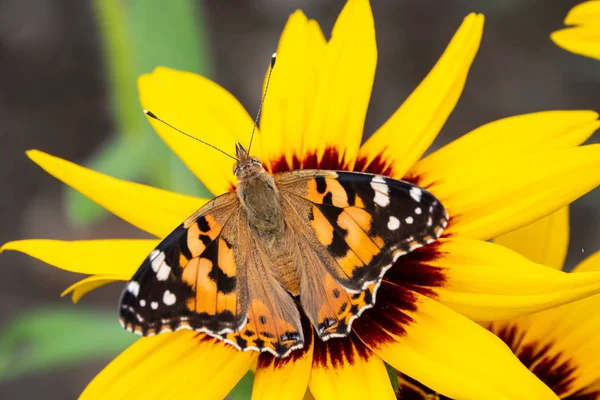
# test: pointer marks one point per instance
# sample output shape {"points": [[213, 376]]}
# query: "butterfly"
{"points": [[238, 268], [245, 265]]}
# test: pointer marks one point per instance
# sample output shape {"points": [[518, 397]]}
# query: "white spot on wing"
{"points": [[159, 266], [142, 303], [418, 211], [157, 257], [163, 272], [154, 305], [169, 298], [380, 187], [416, 193], [381, 199], [134, 288], [409, 220], [381, 191], [393, 223]]}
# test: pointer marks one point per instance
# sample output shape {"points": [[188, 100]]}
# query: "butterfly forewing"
{"points": [[191, 279], [362, 223]]}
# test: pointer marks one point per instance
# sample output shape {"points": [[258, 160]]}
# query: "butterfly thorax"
{"points": [[258, 196]]}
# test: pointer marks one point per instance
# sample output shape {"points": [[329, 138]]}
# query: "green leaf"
{"points": [[51, 337], [169, 34], [243, 390], [120, 63]]}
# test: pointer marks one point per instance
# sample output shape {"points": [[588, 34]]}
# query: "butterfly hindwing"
{"points": [[191, 280], [361, 223]]}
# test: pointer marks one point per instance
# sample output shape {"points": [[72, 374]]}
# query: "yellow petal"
{"points": [[84, 286], [178, 365], [486, 198], [592, 263], [544, 241], [486, 282], [403, 139], [563, 338], [498, 141], [289, 104], [584, 13], [203, 109], [93, 257], [345, 369], [585, 38], [153, 210], [283, 378], [344, 85], [454, 356], [584, 41]]}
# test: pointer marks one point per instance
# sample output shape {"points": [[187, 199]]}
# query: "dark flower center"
{"points": [[555, 369], [331, 160]]}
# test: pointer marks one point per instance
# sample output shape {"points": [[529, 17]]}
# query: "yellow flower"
{"points": [[559, 345], [583, 35], [493, 180]]}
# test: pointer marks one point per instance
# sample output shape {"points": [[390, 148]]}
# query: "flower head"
{"points": [[583, 34], [493, 180], [559, 345]]}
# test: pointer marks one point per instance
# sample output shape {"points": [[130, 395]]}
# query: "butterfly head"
{"points": [[246, 167]]}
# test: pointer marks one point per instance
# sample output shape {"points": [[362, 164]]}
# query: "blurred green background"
{"points": [[68, 87]]}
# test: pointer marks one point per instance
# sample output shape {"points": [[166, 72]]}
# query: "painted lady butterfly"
{"points": [[241, 267]]}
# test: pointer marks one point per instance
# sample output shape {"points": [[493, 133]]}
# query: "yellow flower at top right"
{"points": [[583, 33]]}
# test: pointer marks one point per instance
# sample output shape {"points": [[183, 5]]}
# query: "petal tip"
{"points": [[35, 155], [10, 246], [474, 18], [68, 291]]}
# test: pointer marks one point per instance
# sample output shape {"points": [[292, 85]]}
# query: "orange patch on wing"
{"points": [[226, 259], [357, 239], [339, 197], [336, 306], [206, 288], [349, 263], [322, 227], [183, 261], [361, 217], [194, 243], [190, 272], [227, 302]]}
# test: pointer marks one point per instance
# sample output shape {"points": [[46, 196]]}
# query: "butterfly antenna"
{"points": [[273, 57], [153, 116]]}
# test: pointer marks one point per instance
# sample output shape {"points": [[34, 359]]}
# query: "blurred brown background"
{"points": [[53, 97]]}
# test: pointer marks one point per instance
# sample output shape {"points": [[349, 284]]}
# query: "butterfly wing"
{"points": [[356, 225], [212, 275], [191, 280]]}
